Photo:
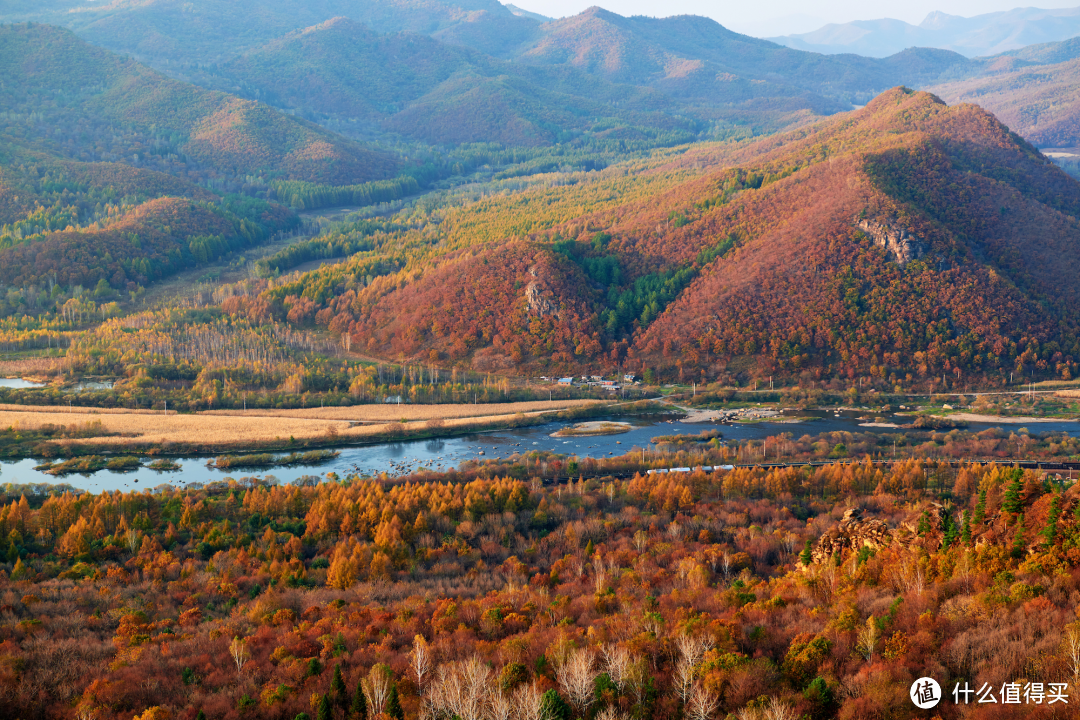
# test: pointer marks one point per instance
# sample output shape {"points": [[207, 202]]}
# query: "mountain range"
{"points": [[393, 66], [904, 239], [981, 35]]}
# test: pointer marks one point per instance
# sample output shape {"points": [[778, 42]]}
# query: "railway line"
{"points": [[1059, 466]]}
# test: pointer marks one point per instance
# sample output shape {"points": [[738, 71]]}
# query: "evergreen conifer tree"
{"points": [[337, 688], [1013, 502], [1049, 533], [980, 508], [1018, 539], [323, 712], [393, 704], [924, 523], [358, 708]]}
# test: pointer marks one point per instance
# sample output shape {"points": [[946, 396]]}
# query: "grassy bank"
{"points": [[269, 460]]}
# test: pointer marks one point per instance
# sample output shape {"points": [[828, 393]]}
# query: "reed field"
{"points": [[30, 367], [257, 428], [411, 412]]}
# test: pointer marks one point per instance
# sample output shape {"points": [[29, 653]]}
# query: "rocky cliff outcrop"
{"points": [[539, 302], [901, 245], [852, 532]]}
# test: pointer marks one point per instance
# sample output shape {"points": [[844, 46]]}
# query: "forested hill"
{"points": [[419, 87], [1040, 102], [55, 83], [105, 167], [908, 238]]}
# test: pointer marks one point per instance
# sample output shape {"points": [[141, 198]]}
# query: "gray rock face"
{"points": [[901, 245], [539, 303], [852, 533]]}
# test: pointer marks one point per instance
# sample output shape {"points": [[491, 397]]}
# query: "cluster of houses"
{"points": [[594, 381]]}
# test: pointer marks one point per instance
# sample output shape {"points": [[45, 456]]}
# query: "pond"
{"points": [[397, 458], [81, 386], [19, 383]]}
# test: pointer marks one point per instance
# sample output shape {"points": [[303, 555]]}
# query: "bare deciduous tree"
{"points": [[132, 539], [641, 541], [499, 706], [691, 650], [600, 571], [610, 713], [702, 704], [868, 637], [778, 710], [377, 688], [461, 689], [529, 703], [421, 661], [238, 648], [617, 664], [576, 677], [1071, 642]]}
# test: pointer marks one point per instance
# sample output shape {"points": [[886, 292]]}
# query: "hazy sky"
{"points": [[780, 17]]}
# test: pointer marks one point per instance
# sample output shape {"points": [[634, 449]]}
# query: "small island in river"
{"points": [[604, 427]]}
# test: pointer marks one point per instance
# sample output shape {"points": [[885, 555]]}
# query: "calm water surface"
{"points": [[446, 453]]}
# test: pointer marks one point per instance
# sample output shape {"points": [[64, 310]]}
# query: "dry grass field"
{"points": [[29, 368], [410, 413], [235, 429]]}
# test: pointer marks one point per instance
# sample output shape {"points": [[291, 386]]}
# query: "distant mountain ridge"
{"points": [[982, 35], [214, 30], [478, 70], [420, 87], [593, 70], [449, 73]]}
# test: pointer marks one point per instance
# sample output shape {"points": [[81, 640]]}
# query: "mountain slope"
{"points": [[420, 87], [987, 34], [1042, 103], [902, 242], [104, 166], [52, 72]]}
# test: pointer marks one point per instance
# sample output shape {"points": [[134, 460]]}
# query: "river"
{"points": [[402, 457]]}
